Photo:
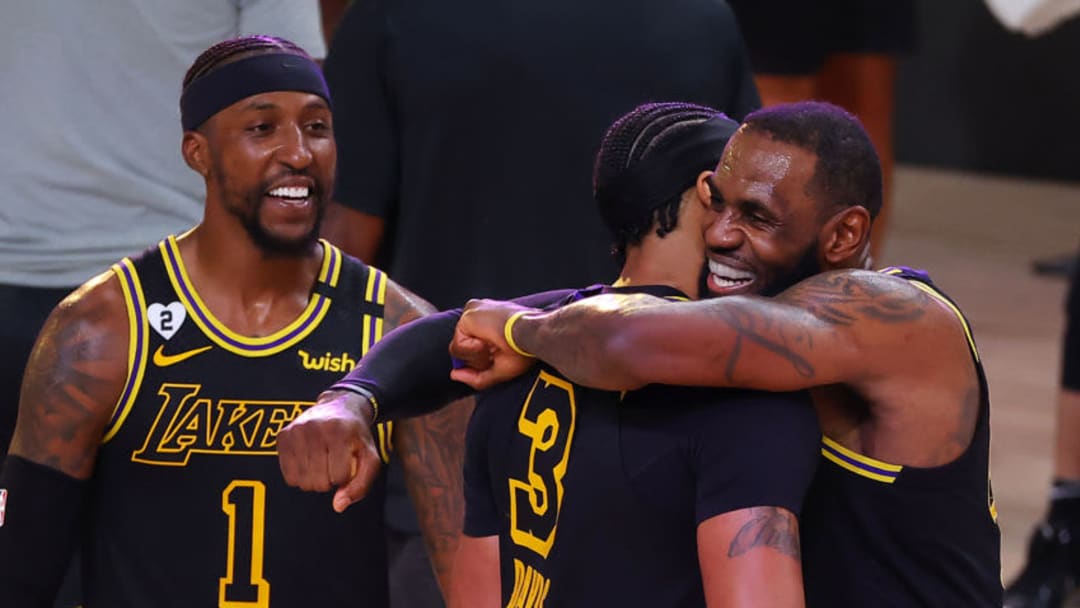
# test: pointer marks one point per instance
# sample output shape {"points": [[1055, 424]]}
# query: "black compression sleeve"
{"points": [[408, 371], [40, 510]]}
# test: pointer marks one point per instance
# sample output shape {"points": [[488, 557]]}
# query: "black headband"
{"points": [[234, 81], [636, 192]]}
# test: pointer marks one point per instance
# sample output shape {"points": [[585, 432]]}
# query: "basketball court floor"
{"points": [[977, 235]]}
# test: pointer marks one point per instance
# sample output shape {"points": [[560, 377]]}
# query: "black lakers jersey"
{"points": [[596, 496], [188, 505], [881, 534]]}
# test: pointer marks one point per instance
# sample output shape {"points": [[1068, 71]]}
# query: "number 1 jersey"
{"points": [[189, 507]]}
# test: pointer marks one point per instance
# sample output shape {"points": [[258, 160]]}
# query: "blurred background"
{"points": [[988, 181]]}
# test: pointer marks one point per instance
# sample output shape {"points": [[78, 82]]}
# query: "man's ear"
{"points": [[194, 147], [845, 236], [704, 194]]}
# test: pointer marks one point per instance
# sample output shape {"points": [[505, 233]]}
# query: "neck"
{"points": [[220, 252], [664, 261]]}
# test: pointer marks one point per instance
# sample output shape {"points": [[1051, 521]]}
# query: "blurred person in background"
{"points": [[841, 51], [1052, 572]]}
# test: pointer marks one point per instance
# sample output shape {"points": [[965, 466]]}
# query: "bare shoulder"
{"points": [[849, 297], [74, 378], [403, 306]]}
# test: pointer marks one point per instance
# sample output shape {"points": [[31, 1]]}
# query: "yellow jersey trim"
{"points": [[331, 268], [138, 344], [864, 466], [963, 322], [231, 341], [385, 432], [937, 295]]}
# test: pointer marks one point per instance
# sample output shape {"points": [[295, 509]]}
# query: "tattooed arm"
{"points": [[432, 449], [71, 385], [841, 326], [750, 558], [73, 379], [749, 489]]}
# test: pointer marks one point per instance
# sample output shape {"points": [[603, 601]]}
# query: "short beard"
{"points": [[806, 267], [271, 245], [246, 209]]}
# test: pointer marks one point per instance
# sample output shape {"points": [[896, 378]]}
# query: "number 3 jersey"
{"points": [[596, 497], [189, 507]]}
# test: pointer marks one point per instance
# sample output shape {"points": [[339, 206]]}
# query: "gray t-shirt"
{"points": [[90, 162]]}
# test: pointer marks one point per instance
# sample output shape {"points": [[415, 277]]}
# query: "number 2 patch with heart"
{"points": [[166, 319]]}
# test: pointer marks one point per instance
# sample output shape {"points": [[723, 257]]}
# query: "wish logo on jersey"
{"points": [[188, 423], [327, 362]]}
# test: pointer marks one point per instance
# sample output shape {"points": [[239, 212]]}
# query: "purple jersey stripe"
{"points": [[862, 465], [378, 286], [225, 337], [136, 365]]}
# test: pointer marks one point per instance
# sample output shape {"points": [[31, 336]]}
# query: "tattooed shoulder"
{"points": [[403, 306], [844, 297], [73, 379]]}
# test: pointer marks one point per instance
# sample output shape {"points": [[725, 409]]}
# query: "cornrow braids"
{"points": [[230, 50], [627, 144]]}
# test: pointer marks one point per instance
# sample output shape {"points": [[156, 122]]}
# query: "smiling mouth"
{"points": [[294, 195], [727, 277]]}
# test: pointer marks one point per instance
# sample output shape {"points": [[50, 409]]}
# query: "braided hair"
{"points": [[630, 142], [233, 49]]}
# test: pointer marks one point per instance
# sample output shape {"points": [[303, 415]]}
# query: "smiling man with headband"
{"points": [[152, 402]]}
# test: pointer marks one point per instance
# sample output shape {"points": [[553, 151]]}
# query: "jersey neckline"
{"points": [[317, 307]]}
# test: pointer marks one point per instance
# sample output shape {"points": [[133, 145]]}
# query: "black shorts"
{"points": [[793, 37]]}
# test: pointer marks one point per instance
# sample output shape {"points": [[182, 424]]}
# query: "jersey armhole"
{"points": [[138, 344]]}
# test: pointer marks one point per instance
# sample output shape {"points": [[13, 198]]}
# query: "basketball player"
{"points": [[900, 512], [577, 497], [152, 401]]}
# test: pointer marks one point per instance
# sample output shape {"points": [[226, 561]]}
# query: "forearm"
{"points": [[592, 342], [432, 450], [408, 371], [40, 511], [625, 342]]}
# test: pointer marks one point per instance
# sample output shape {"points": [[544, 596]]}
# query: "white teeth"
{"points": [[725, 274], [290, 192], [722, 282]]}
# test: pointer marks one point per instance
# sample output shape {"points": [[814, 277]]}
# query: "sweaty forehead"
{"points": [[755, 157]]}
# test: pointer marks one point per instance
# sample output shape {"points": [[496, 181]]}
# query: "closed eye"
{"points": [[714, 195], [757, 214]]}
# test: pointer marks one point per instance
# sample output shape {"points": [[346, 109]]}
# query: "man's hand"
{"points": [[331, 445], [480, 343]]}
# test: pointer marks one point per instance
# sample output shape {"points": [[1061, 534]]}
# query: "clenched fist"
{"points": [[331, 445]]}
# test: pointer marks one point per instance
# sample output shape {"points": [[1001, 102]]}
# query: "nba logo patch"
{"points": [[3, 505]]}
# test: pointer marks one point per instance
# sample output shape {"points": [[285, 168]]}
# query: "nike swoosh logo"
{"points": [[163, 360]]}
